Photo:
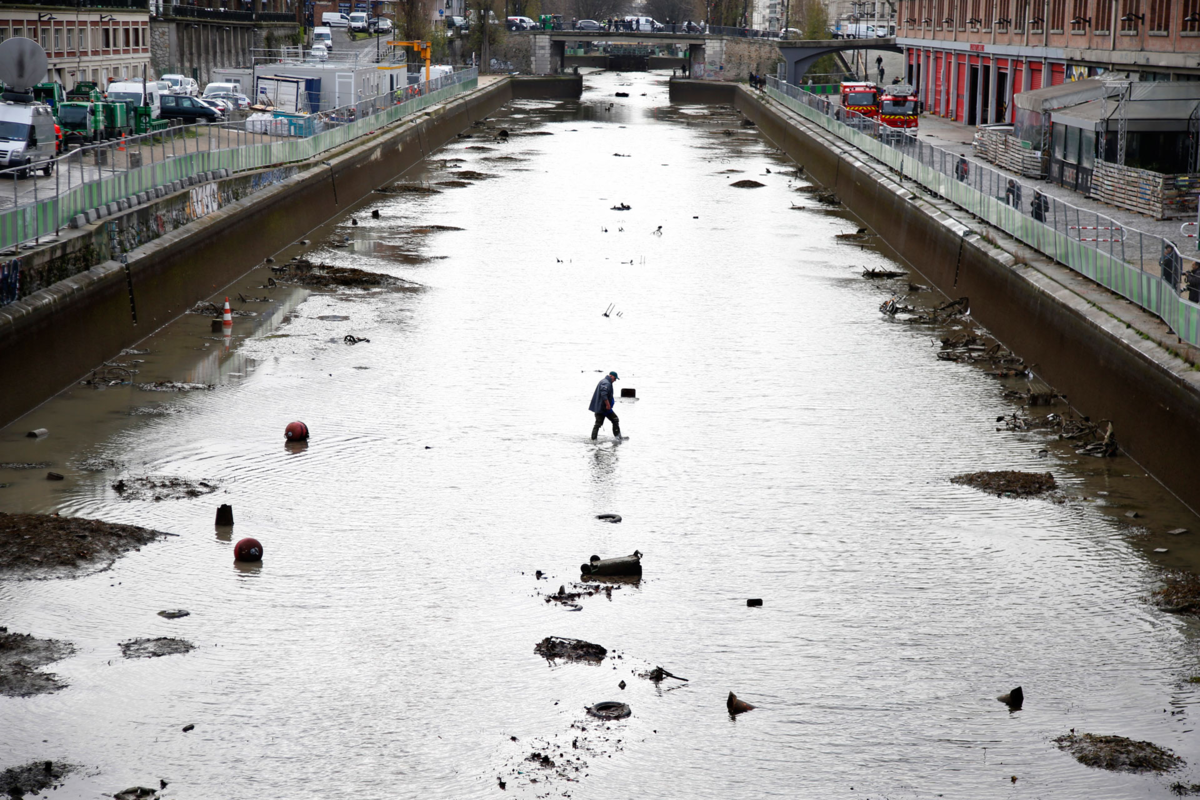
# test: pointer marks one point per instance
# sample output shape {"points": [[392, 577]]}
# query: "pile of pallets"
{"points": [[1010, 153], [1151, 193]]}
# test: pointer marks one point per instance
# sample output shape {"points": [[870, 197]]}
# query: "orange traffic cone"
{"points": [[227, 320], [121, 146]]}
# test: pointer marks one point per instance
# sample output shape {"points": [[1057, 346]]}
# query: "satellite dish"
{"points": [[22, 64]]}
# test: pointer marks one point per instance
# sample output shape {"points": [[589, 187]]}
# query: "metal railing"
{"points": [[1146, 269], [179, 10], [95, 176]]}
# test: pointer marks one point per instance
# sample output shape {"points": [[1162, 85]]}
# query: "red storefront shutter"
{"points": [[1058, 74]]}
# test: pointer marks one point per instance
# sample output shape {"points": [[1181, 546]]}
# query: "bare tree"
{"points": [[412, 19], [598, 9], [675, 10]]}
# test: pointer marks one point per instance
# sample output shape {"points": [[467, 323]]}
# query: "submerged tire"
{"points": [[609, 517], [610, 709]]}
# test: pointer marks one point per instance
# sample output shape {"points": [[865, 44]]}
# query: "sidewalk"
{"points": [[957, 138]]}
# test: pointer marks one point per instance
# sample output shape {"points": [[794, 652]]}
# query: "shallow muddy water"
{"points": [[788, 443]]}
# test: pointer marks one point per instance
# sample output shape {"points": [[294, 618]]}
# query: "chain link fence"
{"points": [[98, 175], [1146, 269]]}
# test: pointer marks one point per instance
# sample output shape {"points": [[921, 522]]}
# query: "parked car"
{"points": [[379, 25], [642, 24], [323, 36], [236, 99], [334, 19], [318, 53], [358, 22], [457, 26], [588, 25], [520, 24], [188, 109], [223, 107], [181, 84]]}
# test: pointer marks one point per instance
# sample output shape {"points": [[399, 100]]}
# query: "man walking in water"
{"points": [[602, 405]]}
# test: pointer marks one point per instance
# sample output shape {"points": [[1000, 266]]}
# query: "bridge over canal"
{"points": [[705, 52]]}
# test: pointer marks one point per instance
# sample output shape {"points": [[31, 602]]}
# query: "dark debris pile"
{"points": [[31, 542], [21, 656], [1117, 753], [1008, 483], [560, 648], [32, 778], [303, 272]]}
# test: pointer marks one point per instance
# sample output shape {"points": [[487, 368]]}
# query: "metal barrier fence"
{"points": [[1145, 269], [92, 177]]}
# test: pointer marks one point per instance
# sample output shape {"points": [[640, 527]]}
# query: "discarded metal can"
{"points": [[622, 565], [248, 550], [38, 433]]}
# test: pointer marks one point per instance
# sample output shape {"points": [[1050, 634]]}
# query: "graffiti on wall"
{"points": [[142, 225], [203, 200]]}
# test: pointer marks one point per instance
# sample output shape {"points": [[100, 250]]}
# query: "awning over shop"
{"points": [[1053, 97], [1153, 107]]}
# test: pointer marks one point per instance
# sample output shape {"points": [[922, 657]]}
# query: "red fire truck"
{"points": [[861, 97], [898, 106]]}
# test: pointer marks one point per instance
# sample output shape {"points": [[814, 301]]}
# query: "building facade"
{"points": [[968, 58], [93, 44]]}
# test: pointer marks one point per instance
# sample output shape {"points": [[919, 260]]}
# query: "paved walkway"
{"points": [[957, 138]]}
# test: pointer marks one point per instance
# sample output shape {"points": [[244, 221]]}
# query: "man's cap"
{"points": [[615, 376]]}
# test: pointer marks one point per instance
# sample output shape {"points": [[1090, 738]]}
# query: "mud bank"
{"points": [[1043, 312]]}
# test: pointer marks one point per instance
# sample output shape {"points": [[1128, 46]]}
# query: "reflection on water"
{"points": [[787, 444]]}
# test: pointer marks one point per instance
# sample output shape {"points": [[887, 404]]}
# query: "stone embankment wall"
{"points": [[1051, 317], [57, 335]]}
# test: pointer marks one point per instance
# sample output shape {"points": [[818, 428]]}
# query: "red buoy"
{"points": [[248, 550], [296, 432]]}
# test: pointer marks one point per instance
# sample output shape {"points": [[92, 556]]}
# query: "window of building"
{"points": [[940, 15], [58, 38], [1003, 14], [3, 34], [989, 14], [1130, 9], [1191, 16], [1058, 12], [962, 14], [83, 38], [1102, 22], [105, 38], [18, 33], [45, 38], [70, 38], [125, 36], [1159, 20]]}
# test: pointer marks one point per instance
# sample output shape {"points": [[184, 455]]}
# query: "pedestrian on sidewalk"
{"points": [[602, 405], [1169, 266], [1039, 205], [1012, 195]]}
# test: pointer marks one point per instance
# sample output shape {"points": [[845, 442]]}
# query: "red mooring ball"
{"points": [[296, 432], [248, 550]]}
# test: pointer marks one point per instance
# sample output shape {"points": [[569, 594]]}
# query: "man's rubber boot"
{"points": [[595, 431]]}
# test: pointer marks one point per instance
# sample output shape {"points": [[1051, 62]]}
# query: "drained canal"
{"points": [[788, 442]]}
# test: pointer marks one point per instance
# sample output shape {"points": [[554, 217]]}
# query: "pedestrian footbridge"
{"points": [[800, 55]]}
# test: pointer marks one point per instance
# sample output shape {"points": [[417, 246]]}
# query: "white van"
{"points": [[643, 24], [26, 136], [220, 88], [358, 22], [131, 93], [335, 19], [323, 36]]}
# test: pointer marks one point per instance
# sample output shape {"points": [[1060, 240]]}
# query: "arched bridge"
{"points": [[800, 55]]}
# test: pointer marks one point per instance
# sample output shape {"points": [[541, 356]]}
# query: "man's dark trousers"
{"points": [[616, 423]]}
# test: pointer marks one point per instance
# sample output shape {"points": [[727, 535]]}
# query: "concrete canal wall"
{"points": [[56, 336], [1106, 355]]}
